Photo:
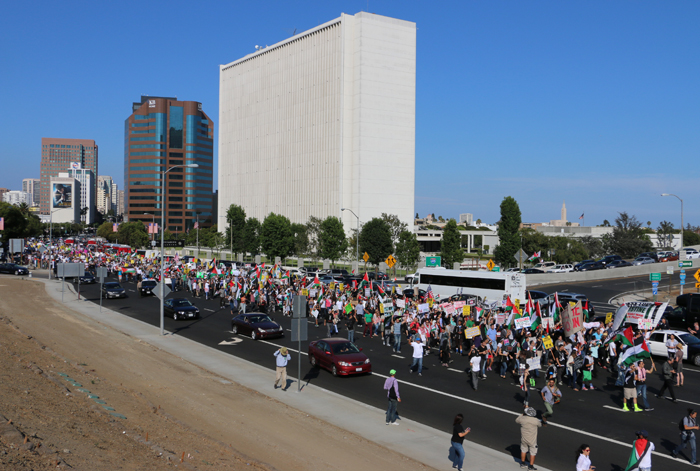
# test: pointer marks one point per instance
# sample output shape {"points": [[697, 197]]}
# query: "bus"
{"points": [[488, 285]]}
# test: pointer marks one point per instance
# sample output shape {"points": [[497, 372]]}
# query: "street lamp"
{"points": [[357, 238], [679, 199], [51, 239], [164, 199]]}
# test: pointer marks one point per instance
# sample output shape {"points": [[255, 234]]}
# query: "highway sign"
{"points": [[156, 290], [496, 268], [697, 285], [654, 284], [365, 257], [655, 290], [685, 263], [102, 273], [697, 276], [490, 265], [433, 261], [521, 256], [655, 276], [669, 270], [390, 261]]}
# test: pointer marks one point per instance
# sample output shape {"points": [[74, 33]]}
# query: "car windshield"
{"points": [[689, 339], [148, 283], [344, 348], [112, 285], [181, 303], [260, 318]]}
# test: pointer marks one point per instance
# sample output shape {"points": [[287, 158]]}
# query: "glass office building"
{"points": [[57, 155], [161, 133]]}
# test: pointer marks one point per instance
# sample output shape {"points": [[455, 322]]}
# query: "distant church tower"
{"points": [[563, 212]]}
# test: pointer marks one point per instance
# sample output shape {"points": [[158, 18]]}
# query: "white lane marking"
{"points": [[685, 368], [132, 290], [489, 406], [210, 310], [619, 409], [458, 371], [397, 356], [289, 330], [233, 341], [681, 400]]}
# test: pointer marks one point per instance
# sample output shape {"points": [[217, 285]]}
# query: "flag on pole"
{"points": [[365, 281], [115, 227], [2, 224], [634, 354], [626, 337], [581, 217], [535, 317], [196, 225], [555, 309], [429, 293], [286, 275]]}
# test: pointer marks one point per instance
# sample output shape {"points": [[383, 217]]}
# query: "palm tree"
{"points": [[23, 208]]}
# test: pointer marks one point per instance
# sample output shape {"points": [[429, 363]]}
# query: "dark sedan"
{"points": [[591, 266], [113, 290], [13, 269], [86, 279], [339, 356], [618, 264], [532, 271], [180, 308], [257, 325], [582, 263], [147, 287], [408, 293]]}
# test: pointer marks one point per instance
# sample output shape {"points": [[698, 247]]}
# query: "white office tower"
{"points": [[322, 121]]}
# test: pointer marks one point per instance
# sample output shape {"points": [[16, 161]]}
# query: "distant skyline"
{"points": [[594, 103]]}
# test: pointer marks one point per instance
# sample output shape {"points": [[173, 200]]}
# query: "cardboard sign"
{"points": [[400, 303], [547, 341], [500, 319], [572, 319], [342, 286], [313, 293], [331, 286], [430, 303], [305, 292], [388, 307], [348, 309], [423, 308], [523, 322], [472, 332], [459, 304], [548, 322], [645, 324], [381, 308], [367, 292], [448, 308], [608, 318], [467, 310], [533, 363]]}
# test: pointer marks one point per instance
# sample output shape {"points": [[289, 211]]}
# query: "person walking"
{"points": [[668, 372], [688, 427], [529, 425], [550, 395], [398, 324], [282, 358], [417, 355], [458, 434], [642, 449], [678, 364], [641, 380], [391, 386], [475, 362], [630, 389], [350, 324], [583, 459]]}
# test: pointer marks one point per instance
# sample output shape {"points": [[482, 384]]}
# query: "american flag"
{"points": [[196, 225], [115, 227], [582, 215], [2, 224]]}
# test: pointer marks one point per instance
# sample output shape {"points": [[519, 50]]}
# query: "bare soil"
{"points": [[178, 415]]}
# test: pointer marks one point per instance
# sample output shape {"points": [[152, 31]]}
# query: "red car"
{"points": [[339, 356]]}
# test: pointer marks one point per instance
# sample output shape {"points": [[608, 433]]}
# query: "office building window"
{"points": [[176, 117]]}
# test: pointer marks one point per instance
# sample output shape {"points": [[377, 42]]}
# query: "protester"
{"points": [[668, 373], [688, 426], [583, 459], [529, 425], [550, 395], [642, 449], [417, 356], [391, 386]]}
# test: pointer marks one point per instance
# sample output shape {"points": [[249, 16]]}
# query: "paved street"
{"points": [[594, 417]]}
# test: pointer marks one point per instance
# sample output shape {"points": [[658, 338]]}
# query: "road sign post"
{"points": [[682, 276], [102, 273], [432, 262], [654, 276], [299, 329], [490, 265]]}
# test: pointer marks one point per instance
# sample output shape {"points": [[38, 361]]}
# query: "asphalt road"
{"points": [[592, 417]]}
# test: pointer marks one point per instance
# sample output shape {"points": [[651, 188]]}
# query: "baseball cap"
{"points": [[392, 372], [642, 433]]}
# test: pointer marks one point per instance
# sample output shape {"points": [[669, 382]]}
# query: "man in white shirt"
{"points": [[476, 365], [417, 355]]}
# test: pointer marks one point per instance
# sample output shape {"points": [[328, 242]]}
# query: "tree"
{"points": [[508, 232], [478, 221], [451, 245], [441, 219], [331, 239], [593, 246], [34, 227], [301, 239], [133, 234], [314, 226], [276, 237], [664, 234], [15, 222], [106, 231], [690, 236], [606, 223], [375, 239], [628, 238], [407, 249], [235, 217], [251, 236], [395, 224]]}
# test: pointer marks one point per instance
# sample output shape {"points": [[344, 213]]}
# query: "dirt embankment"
{"points": [[64, 376]]}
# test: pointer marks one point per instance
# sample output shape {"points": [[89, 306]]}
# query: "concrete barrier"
{"points": [[577, 276]]}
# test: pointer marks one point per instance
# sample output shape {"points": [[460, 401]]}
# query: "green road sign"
{"points": [[685, 263], [496, 269], [433, 261], [654, 276]]}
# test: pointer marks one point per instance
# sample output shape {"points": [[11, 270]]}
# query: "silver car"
{"points": [[643, 260]]}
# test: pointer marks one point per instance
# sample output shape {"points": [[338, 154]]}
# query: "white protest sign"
{"points": [[533, 363], [400, 303], [423, 308], [645, 324], [523, 322]]}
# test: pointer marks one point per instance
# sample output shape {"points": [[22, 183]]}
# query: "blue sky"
{"points": [[596, 103]]}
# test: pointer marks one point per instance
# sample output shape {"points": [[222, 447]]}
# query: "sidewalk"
{"points": [[412, 439]]}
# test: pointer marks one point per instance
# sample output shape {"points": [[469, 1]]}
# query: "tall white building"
{"points": [[32, 186], [104, 194], [87, 185], [17, 197], [322, 121]]}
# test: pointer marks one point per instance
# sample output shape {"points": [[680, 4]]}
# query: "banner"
{"points": [[500, 319], [472, 332], [572, 319], [633, 312], [62, 195], [522, 322], [448, 308]]}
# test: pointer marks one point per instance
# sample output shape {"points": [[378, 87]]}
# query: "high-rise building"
{"points": [[32, 186], [57, 156], [104, 194], [17, 197], [86, 199], [114, 193], [162, 133], [120, 203], [322, 121]]}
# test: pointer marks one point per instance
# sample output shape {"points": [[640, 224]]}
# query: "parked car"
{"points": [[180, 308], [337, 271], [652, 255], [691, 344], [13, 269], [539, 297], [380, 275], [409, 277], [581, 263], [532, 271], [667, 256], [545, 266], [643, 261], [147, 287], [618, 264], [691, 252], [591, 266], [113, 289], [86, 279], [563, 268], [339, 356], [257, 325], [609, 258]]}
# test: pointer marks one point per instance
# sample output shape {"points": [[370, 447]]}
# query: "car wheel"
{"points": [[696, 360], [174, 316], [253, 335], [16, 272], [313, 361], [234, 329], [334, 370]]}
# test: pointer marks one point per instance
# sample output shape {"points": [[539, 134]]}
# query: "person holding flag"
{"points": [[642, 448]]}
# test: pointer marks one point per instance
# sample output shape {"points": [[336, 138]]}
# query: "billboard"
{"points": [[61, 195]]}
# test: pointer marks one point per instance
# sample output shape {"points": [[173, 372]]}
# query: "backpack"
{"points": [[681, 427]]}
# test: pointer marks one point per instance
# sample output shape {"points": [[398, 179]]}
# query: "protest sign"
{"points": [[423, 308], [367, 292], [572, 319], [523, 322], [500, 319], [547, 341], [348, 309], [430, 302], [472, 332], [388, 308], [608, 318], [459, 304], [400, 303], [645, 324], [533, 363], [448, 308]]}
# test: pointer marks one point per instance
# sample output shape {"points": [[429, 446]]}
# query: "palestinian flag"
{"points": [[381, 288], [320, 293], [634, 354], [365, 281], [286, 275], [511, 307], [555, 309], [585, 312], [535, 317], [640, 448], [626, 337], [215, 271], [314, 283]]}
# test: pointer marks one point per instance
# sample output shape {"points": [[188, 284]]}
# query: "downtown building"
{"points": [[32, 186], [57, 155], [161, 133], [322, 121]]}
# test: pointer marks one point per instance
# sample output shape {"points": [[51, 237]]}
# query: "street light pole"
{"points": [[679, 199], [164, 199], [51, 240], [357, 238]]}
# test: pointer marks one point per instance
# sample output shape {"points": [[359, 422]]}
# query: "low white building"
{"points": [[18, 197], [64, 199]]}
